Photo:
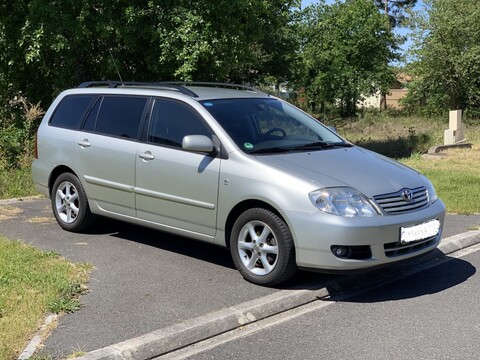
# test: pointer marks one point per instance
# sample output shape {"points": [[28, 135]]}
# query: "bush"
{"points": [[18, 123]]}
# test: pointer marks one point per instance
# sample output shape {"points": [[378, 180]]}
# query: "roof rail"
{"points": [[214, 84], [156, 85], [180, 86]]}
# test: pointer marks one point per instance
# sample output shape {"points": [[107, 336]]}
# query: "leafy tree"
{"points": [[447, 53], [395, 9], [345, 53], [51, 45]]}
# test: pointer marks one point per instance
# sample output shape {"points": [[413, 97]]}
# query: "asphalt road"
{"points": [[143, 280], [434, 314]]}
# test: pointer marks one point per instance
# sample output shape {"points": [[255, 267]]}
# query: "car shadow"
{"points": [[195, 249], [404, 280], [440, 278], [164, 241], [375, 284], [397, 281]]}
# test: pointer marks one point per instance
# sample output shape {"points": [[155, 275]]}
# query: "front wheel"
{"points": [[262, 247], [70, 203]]}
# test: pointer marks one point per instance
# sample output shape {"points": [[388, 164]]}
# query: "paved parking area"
{"points": [[143, 280]]}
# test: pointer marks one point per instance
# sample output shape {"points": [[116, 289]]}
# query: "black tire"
{"points": [[268, 257], [70, 203]]}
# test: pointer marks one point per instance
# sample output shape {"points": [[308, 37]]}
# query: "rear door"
{"points": [[105, 151]]}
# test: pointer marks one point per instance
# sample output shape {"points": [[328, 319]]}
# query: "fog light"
{"points": [[341, 251], [354, 252]]}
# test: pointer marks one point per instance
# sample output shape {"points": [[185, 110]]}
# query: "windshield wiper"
{"points": [[321, 145], [270, 150], [317, 145]]}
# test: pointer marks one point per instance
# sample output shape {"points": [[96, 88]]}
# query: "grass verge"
{"points": [[456, 178], [33, 283]]}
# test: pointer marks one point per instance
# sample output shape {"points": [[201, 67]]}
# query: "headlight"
{"points": [[432, 194], [342, 201]]}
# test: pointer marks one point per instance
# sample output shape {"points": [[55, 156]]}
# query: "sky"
{"points": [[308, 2]]}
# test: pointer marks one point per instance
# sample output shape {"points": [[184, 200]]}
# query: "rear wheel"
{"points": [[70, 203], [262, 247]]}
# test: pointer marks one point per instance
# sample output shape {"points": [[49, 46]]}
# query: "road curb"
{"points": [[174, 337], [191, 331], [460, 241]]}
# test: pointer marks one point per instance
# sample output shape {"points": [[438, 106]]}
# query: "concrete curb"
{"points": [[188, 332], [37, 339], [438, 148], [460, 241], [174, 337]]}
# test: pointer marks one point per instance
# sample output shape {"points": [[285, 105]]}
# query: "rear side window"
{"points": [[120, 116], [71, 110]]}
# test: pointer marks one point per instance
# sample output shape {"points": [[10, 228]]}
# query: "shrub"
{"points": [[18, 123]]}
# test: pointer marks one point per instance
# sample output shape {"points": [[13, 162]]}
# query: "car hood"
{"points": [[368, 172]]}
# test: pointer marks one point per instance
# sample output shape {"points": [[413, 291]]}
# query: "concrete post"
{"points": [[455, 132]]}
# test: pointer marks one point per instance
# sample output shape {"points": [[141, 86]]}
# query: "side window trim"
{"points": [[98, 100], [145, 124]]}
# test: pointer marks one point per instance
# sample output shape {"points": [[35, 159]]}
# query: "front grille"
{"points": [[395, 249], [403, 201]]}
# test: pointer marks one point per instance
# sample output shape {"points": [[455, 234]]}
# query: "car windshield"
{"points": [[262, 126]]}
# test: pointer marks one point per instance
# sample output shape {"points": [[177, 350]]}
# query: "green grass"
{"points": [[15, 183], [33, 283], [456, 178]]}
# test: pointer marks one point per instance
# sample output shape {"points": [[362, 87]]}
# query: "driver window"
{"points": [[171, 121]]}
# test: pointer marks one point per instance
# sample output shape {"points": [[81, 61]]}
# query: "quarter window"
{"points": [[71, 110], [172, 121]]}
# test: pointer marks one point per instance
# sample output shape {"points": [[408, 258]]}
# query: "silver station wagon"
{"points": [[232, 166]]}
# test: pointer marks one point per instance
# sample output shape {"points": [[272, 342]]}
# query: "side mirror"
{"points": [[198, 143]]}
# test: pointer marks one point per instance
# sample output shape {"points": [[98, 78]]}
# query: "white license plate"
{"points": [[418, 232]]}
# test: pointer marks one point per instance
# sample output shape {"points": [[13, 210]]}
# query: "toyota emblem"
{"points": [[407, 195]]}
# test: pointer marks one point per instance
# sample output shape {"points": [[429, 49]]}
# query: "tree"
{"points": [[48, 46], [395, 10], [447, 57], [345, 53]]}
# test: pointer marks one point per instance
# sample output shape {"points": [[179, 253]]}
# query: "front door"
{"points": [[175, 188]]}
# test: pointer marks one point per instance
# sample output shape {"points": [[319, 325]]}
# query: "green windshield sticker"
{"points": [[248, 145]]}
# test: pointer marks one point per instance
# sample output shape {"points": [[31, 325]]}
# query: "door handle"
{"points": [[84, 143], [146, 156]]}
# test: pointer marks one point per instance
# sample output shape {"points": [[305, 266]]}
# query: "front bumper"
{"points": [[316, 233]]}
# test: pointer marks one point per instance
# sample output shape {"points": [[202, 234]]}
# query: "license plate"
{"points": [[419, 232]]}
